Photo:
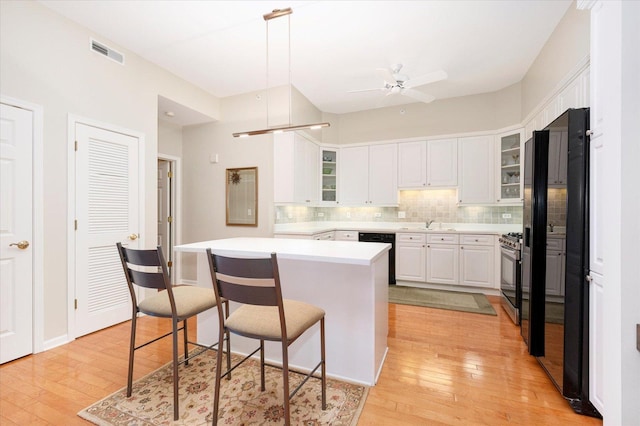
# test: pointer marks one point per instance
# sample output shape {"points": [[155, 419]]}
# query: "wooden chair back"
{"points": [[248, 281], [145, 268]]}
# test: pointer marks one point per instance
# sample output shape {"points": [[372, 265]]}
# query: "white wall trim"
{"points": [[38, 217], [55, 342], [177, 210], [72, 120]]}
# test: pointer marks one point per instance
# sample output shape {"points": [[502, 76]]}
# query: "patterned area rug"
{"points": [[241, 402], [441, 299]]}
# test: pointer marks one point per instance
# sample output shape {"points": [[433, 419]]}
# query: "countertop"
{"points": [[350, 252], [311, 228]]}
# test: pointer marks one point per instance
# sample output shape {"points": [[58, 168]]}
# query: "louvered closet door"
{"points": [[106, 212]]}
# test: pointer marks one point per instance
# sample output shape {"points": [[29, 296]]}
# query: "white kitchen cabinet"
{"points": [[477, 257], [346, 235], [412, 165], [476, 170], [428, 164], [369, 175], [555, 265], [554, 274], [596, 343], [442, 258], [295, 169], [329, 176], [354, 175], [410, 256], [510, 167], [442, 163], [558, 151], [324, 236]]}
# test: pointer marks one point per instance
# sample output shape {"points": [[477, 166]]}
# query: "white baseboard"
{"points": [[55, 342]]}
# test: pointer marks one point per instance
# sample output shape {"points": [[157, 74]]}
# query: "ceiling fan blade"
{"points": [[365, 90], [387, 76], [415, 94], [432, 77]]}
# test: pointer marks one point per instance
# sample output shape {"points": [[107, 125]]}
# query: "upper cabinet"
{"points": [[412, 165], [510, 167], [368, 175], [329, 176], [295, 168], [476, 166], [428, 164], [442, 163]]}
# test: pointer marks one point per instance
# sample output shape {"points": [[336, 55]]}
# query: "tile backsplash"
{"points": [[418, 206]]}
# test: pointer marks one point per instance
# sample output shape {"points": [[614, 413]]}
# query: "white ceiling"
{"points": [[336, 46]]}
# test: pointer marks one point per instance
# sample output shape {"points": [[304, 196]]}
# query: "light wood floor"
{"points": [[443, 367]]}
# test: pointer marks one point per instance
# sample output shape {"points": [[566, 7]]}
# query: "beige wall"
{"points": [[488, 111], [169, 139], [45, 59], [567, 46]]}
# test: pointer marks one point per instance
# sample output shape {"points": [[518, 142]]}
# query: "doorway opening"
{"points": [[168, 217]]}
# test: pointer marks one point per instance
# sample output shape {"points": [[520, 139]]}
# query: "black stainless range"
{"points": [[510, 275]]}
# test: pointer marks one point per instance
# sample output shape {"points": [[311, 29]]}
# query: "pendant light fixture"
{"points": [[284, 128]]}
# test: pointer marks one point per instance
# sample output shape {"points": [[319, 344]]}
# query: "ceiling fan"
{"points": [[400, 84]]}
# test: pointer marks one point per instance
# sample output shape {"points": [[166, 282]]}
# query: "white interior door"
{"points": [[106, 212], [16, 255]]}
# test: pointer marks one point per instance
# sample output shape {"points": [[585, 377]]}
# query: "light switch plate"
{"points": [[377, 214], [402, 215], [506, 215]]}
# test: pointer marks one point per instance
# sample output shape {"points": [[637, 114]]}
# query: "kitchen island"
{"points": [[349, 280]]}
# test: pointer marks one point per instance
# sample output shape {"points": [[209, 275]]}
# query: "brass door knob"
{"points": [[20, 244], [133, 237]]}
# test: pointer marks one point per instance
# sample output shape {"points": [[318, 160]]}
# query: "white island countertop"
{"points": [[355, 253]]}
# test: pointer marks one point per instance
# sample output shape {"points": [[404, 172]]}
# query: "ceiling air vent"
{"points": [[107, 51]]}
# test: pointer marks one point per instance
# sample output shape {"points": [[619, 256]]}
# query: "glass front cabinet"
{"points": [[510, 168], [329, 176]]}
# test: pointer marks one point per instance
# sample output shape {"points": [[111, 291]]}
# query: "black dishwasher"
{"points": [[375, 237]]}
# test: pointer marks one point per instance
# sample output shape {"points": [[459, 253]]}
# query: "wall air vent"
{"points": [[106, 51]]}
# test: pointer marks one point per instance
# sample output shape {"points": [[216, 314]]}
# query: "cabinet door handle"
{"points": [[428, 246], [461, 248]]}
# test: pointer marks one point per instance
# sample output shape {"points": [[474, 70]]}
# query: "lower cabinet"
{"points": [[442, 258], [555, 266], [465, 259], [477, 260], [327, 236], [346, 235], [410, 257]]}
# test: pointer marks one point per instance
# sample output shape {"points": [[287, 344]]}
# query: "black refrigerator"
{"points": [[555, 255]]}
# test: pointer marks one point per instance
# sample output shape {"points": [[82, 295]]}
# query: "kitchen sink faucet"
{"points": [[429, 222]]}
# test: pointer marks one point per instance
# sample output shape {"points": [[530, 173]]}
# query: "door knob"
{"points": [[133, 237], [20, 244]]}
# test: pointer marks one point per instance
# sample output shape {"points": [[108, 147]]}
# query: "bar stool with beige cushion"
{"points": [[148, 269], [263, 315]]}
